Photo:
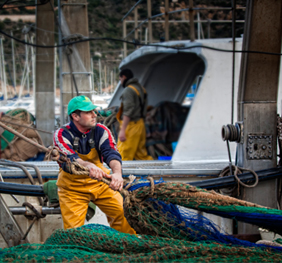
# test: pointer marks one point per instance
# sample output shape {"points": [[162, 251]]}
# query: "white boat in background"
{"points": [[101, 101], [28, 104], [25, 103]]}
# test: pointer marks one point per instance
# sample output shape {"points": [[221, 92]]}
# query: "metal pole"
{"points": [[191, 20], [233, 58], [111, 91], [1, 70], [126, 15], [209, 29], [18, 210], [27, 64], [105, 76], [229, 156], [14, 64], [22, 81], [198, 26], [166, 21], [149, 8], [146, 35], [62, 110], [124, 36], [55, 71], [92, 75], [33, 67], [136, 23], [4, 71], [100, 76]]}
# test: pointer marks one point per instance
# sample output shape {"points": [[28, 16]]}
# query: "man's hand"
{"points": [[121, 135], [116, 181], [95, 172]]}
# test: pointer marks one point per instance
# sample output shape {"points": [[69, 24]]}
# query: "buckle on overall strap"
{"points": [[75, 139], [142, 104], [75, 143], [91, 140]]}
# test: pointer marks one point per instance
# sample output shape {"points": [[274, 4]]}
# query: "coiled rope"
{"points": [[238, 170]]}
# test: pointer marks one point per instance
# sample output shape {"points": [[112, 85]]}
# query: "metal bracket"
{"points": [[240, 127], [9, 227], [259, 146]]}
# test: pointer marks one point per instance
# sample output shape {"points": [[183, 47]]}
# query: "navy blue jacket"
{"points": [[104, 143]]}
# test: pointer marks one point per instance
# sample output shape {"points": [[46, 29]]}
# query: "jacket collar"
{"points": [[77, 131]]}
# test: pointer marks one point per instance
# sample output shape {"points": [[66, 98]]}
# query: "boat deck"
{"points": [[139, 168]]}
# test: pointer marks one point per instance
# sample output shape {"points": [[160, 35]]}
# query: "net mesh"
{"points": [[168, 230], [96, 243], [147, 199]]}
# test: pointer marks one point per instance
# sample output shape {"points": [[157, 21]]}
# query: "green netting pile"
{"points": [[96, 243], [150, 208], [167, 231], [16, 115]]}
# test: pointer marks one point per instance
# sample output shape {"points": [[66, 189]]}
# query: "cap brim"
{"points": [[88, 107]]}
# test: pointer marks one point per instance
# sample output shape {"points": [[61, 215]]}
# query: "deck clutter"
{"points": [[12, 147], [167, 231]]}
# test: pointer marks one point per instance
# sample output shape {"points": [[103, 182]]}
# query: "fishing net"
{"points": [[96, 243], [14, 117], [150, 206], [12, 147], [167, 231]]}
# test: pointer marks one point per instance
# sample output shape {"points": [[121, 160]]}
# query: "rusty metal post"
{"points": [[136, 22], [191, 21], [149, 10], [76, 70], [166, 20], [257, 98], [124, 36], [44, 77]]}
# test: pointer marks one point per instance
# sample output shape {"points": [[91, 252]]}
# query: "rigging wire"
{"points": [[20, 6], [67, 52], [28, 25], [1, 7], [140, 44]]}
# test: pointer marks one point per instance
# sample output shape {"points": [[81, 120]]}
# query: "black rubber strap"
{"points": [[75, 139]]}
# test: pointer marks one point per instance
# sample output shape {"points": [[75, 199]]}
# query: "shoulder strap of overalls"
{"points": [[75, 139], [140, 100], [91, 140]]}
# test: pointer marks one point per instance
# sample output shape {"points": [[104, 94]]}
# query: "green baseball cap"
{"points": [[82, 103]]}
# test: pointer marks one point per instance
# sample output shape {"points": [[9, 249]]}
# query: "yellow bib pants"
{"points": [[134, 147], [76, 191]]}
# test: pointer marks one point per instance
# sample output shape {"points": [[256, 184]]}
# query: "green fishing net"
{"points": [[168, 231], [96, 243]]}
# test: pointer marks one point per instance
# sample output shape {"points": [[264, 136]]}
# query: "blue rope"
{"points": [[272, 222], [198, 227]]}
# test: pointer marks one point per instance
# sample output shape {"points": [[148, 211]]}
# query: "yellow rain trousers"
{"points": [[134, 147], [76, 191]]}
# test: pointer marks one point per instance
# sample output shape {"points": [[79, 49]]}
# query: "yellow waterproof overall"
{"points": [[134, 147], [76, 191]]}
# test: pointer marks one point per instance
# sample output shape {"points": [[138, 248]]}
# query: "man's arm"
{"points": [[125, 122], [116, 176], [110, 156], [62, 139], [94, 171], [129, 100]]}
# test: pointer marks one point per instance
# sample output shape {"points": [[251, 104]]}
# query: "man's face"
{"points": [[122, 79], [86, 120]]}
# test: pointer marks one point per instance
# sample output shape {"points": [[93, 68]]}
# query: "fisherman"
{"points": [[90, 144], [132, 134]]}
